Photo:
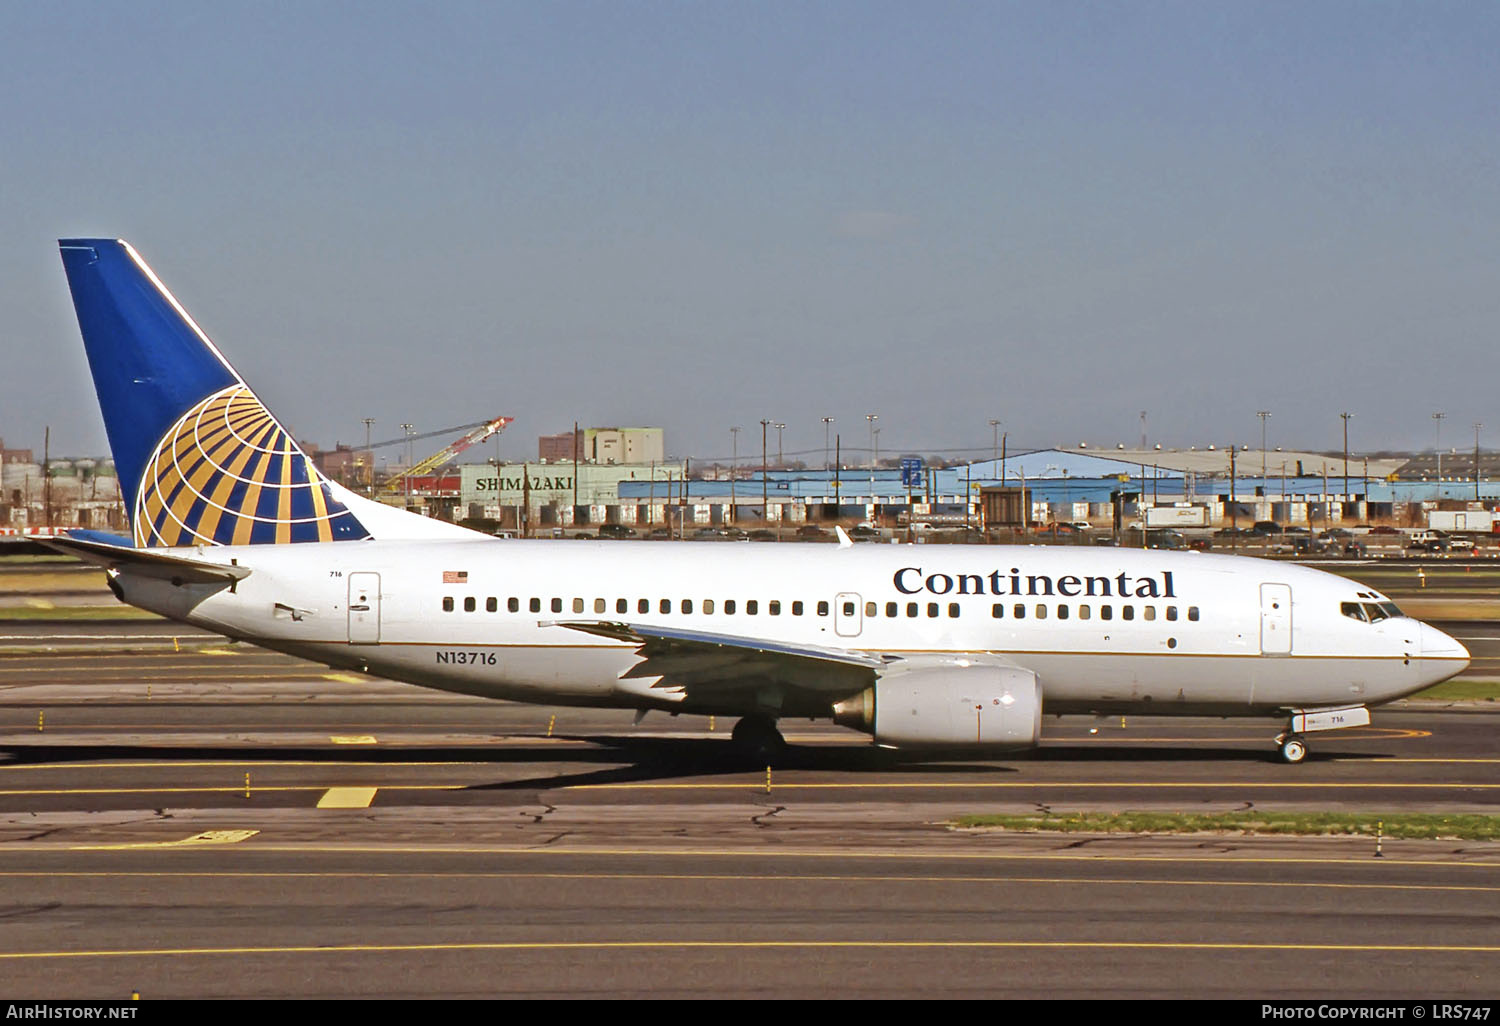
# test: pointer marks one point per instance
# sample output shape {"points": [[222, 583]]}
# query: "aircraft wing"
{"points": [[161, 563], [702, 660]]}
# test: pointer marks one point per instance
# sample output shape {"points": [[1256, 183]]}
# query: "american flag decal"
{"points": [[455, 577]]}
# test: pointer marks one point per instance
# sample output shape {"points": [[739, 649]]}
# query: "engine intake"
{"points": [[949, 703]]}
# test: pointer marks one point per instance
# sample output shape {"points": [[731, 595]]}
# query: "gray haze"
{"points": [[701, 215]]}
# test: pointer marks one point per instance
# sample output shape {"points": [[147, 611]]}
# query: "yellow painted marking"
{"points": [[843, 854], [353, 739], [347, 798], [344, 678], [208, 837], [741, 945], [1061, 881], [217, 651], [222, 790], [1019, 784]]}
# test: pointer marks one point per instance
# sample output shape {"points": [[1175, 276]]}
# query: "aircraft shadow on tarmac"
{"points": [[625, 759]]}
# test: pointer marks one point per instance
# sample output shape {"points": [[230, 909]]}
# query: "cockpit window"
{"points": [[1391, 609], [1373, 612], [1354, 611]]}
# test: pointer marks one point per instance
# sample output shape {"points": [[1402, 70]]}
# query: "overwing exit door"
{"points": [[364, 609]]}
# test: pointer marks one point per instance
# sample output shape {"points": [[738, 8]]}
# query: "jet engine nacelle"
{"points": [[949, 703]]}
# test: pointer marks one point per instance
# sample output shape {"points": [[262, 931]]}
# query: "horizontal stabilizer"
{"points": [[147, 562]]}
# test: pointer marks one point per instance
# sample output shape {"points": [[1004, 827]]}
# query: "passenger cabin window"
{"points": [[578, 605], [513, 604], [822, 609], [708, 607], [870, 609], [448, 603], [1020, 611], [751, 607], [911, 609], [687, 605], [1171, 612], [1192, 612], [932, 609], [1041, 611], [774, 607], [665, 605], [469, 604], [796, 609], [998, 610], [1127, 612], [1062, 612], [729, 607], [1106, 612], [891, 609], [622, 605], [953, 609], [536, 605], [557, 605], [848, 608], [600, 605], [1083, 612], [491, 605], [643, 606]]}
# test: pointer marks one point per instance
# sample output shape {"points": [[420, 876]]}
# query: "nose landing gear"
{"points": [[1292, 748]]}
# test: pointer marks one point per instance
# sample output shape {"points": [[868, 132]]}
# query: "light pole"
{"points": [[826, 422], [369, 460], [1264, 415], [1477, 426], [734, 463], [780, 460], [1437, 418], [407, 477], [995, 429], [765, 509], [1346, 417], [872, 418]]}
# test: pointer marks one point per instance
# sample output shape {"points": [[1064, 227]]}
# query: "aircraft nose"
{"points": [[1438, 645]]}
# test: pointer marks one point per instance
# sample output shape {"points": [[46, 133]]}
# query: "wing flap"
{"points": [[704, 660]]}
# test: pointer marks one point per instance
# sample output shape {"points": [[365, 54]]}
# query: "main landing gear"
{"points": [[756, 739]]}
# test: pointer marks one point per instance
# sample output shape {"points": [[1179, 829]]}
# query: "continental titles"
{"points": [[914, 580]]}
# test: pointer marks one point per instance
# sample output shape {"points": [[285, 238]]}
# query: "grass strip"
{"points": [[1461, 690], [1406, 826], [115, 611]]}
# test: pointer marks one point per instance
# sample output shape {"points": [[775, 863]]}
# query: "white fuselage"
{"points": [[1105, 630]]}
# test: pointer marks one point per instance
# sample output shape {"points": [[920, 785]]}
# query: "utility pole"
{"points": [[1234, 510], [1143, 433], [826, 422], [872, 418]]}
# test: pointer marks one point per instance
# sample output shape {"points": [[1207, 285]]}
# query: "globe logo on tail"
{"points": [[228, 474]]}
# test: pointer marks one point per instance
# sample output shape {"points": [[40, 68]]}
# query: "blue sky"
{"points": [[700, 215]]}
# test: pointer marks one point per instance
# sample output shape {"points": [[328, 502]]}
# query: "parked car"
{"points": [[1384, 529], [864, 532], [762, 534], [813, 531], [1266, 527], [615, 531]]}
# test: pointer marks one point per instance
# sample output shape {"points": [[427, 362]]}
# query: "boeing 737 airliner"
{"points": [[957, 647]]}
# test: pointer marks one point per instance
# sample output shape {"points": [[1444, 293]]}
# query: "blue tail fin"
{"points": [[201, 460]]}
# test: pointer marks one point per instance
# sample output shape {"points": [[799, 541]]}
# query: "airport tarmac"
{"points": [[399, 842]]}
